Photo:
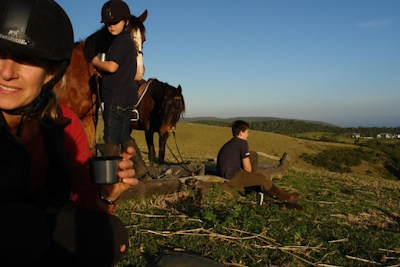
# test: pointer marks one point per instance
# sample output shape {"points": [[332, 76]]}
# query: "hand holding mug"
{"points": [[104, 170]]}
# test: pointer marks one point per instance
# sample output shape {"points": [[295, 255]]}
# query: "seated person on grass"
{"points": [[233, 163]]}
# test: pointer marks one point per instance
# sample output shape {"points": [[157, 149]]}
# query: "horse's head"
{"points": [[138, 31], [173, 105]]}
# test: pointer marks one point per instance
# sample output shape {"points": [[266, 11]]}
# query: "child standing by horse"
{"points": [[119, 90]]}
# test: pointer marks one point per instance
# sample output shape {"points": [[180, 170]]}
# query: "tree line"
{"points": [[291, 127]]}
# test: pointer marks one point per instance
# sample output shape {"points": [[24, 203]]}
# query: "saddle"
{"points": [[143, 85]]}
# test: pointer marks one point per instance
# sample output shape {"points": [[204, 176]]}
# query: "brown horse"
{"points": [[159, 107], [78, 88]]}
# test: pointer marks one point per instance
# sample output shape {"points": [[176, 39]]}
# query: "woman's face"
{"points": [[21, 78]]}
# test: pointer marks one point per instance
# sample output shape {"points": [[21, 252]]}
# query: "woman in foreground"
{"points": [[44, 152]]}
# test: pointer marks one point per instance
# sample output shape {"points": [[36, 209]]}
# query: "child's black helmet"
{"points": [[39, 28], [114, 11]]}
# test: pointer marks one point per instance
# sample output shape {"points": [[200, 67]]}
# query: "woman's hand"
{"points": [[126, 176], [127, 173]]}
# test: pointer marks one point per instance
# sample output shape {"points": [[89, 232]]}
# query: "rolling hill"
{"points": [[199, 143]]}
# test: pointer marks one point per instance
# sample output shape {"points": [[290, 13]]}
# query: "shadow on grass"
{"points": [[390, 226], [393, 171]]}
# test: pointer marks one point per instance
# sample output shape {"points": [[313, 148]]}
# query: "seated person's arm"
{"points": [[246, 164]]}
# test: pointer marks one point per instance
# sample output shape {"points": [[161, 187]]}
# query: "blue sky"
{"points": [[336, 61]]}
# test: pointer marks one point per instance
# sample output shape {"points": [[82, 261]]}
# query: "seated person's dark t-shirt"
{"points": [[230, 157]]}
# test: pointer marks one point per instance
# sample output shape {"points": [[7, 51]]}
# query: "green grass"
{"points": [[343, 216], [346, 219], [198, 143]]}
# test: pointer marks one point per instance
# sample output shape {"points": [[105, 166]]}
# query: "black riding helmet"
{"points": [[114, 11], [40, 28]]}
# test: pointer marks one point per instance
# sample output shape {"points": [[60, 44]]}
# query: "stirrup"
{"points": [[135, 115]]}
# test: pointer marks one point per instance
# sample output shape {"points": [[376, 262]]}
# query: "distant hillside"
{"points": [[249, 120], [201, 143], [291, 126]]}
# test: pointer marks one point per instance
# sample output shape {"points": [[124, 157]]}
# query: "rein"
{"points": [[98, 98], [87, 112], [182, 163]]}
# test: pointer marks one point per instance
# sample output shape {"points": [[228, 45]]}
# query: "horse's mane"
{"points": [[97, 42], [173, 104], [167, 92], [76, 43], [135, 23]]}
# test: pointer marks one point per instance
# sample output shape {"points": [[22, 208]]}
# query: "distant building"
{"points": [[384, 135], [356, 135]]}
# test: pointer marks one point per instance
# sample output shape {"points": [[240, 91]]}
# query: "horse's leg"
{"points": [[161, 147], [150, 146]]}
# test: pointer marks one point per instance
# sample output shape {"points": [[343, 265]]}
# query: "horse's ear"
{"points": [[179, 89], [143, 17]]}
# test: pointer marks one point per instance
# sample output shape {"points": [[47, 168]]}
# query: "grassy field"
{"points": [[342, 220], [200, 143]]}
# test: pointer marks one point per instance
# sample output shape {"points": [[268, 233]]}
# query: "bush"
{"points": [[339, 159]]}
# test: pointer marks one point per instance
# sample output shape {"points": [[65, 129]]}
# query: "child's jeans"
{"points": [[116, 123]]}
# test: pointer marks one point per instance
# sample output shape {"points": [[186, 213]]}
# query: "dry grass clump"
{"points": [[375, 219]]}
